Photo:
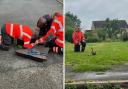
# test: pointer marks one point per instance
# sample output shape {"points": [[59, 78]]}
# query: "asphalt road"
{"points": [[21, 73], [27, 11]]}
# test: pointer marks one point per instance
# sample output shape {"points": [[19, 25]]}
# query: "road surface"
{"points": [[27, 11], [21, 73]]}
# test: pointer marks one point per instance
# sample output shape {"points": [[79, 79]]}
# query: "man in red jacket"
{"points": [[43, 25], [11, 31], [78, 38], [56, 29]]}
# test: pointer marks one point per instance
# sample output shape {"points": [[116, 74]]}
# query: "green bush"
{"points": [[68, 34], [93, 39], [124, 37]]}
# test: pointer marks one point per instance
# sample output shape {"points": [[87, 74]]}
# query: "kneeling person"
{"points": [[11, 31], [56, 29], [78, 39]]}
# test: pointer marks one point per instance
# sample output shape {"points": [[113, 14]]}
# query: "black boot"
{"points": [[83, 46], [77, 48], [60, 51], [4, 47]]}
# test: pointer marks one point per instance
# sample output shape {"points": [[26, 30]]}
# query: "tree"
{"points": [[112, 28], [101, 34], [71, 21], [115, 27], [108, 27]]}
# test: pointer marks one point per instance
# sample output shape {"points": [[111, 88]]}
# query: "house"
{"points": [[102, 25], [88, 30]]}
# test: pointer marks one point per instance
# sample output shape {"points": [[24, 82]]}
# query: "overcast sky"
{"points": [[90, 10]]}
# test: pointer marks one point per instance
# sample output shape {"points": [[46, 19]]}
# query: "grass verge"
{"points": [[107, 54]]}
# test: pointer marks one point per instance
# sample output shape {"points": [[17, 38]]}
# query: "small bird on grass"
{"points": [[93, 52]]}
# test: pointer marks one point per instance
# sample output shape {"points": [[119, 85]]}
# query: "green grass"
{"points": [[93, 86], [107, 54]]}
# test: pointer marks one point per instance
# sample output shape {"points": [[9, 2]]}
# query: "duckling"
{"points": [[93, 52]]}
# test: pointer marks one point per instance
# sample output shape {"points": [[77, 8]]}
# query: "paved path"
{"points": [[97, 76], [116, 73], [21, 73]]}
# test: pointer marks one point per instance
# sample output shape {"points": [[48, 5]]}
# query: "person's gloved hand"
{"points": [[40, 41], [33, 44], [83, 40], [37, 42]]}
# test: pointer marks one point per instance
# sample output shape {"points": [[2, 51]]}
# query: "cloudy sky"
{"points": [[91, 10]]}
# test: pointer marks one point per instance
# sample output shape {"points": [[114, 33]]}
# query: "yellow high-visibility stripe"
{"points": [[53, 27], [21, 31], [27, 42], [27, 35], [60, 25], [60, 41], [11, 29]]}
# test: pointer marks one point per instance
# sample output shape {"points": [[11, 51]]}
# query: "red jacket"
{"points": [[57, 30], [22, 32], [77, 37]]}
